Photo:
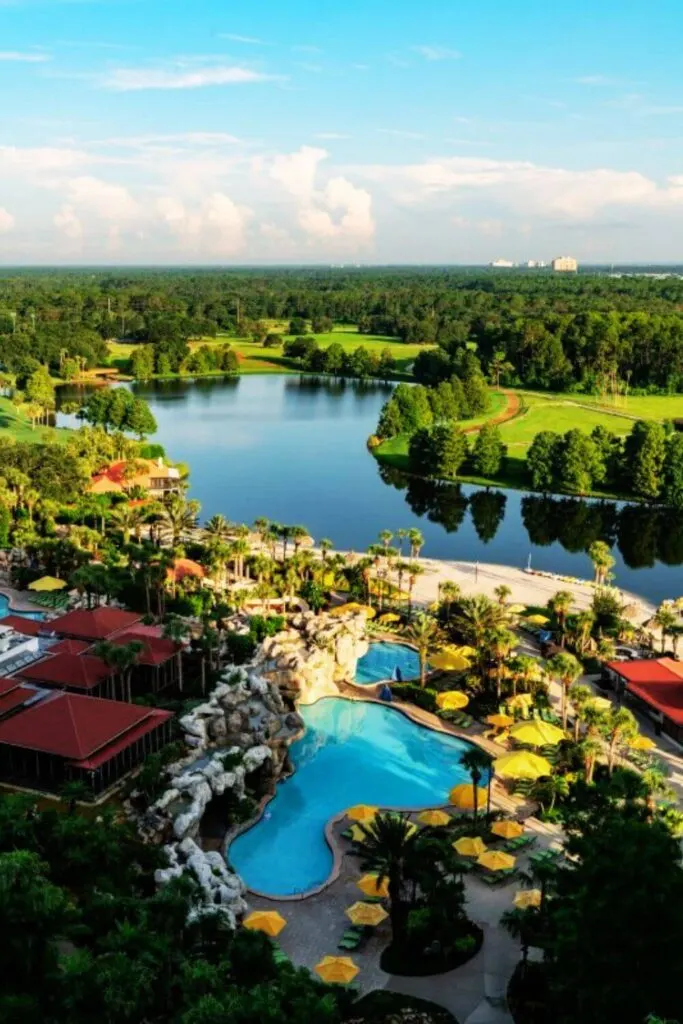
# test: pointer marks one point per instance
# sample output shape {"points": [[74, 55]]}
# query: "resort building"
{"points": [[48, 738], [152, 475], [655, 687], [565, 265]]}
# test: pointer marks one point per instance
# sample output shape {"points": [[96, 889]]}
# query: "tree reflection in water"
{"points": [[643, 534]]}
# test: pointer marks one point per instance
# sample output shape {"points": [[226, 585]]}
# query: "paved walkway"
{"points": [[19, 600], [475, 993]]}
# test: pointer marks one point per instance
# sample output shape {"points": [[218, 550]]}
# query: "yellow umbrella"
{"points": [[339, 970], [525, 898], [268, 921], [370, 885], [496, 860], [537, 620], [47, 583], [366, 913], [389, 617], [537, 733], [449, 661], [507, 829], [434, 818], [352, 607], [462, 796], [500, 721], [362, 812], [516, 609], [357, 834], [520, 700], [452, 700], [642, 743], [468, 846], [522, 764]]}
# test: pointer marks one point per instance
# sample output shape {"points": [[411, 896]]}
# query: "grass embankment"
{"points": [[255, 358], [13, 423], [547, 411]]}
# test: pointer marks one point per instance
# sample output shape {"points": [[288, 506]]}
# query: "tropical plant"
{"points": [[601, 556], [122, 658], [424, 632], [179, 516], [547, 789], [666, 619], [502, 593], [560, 605], [566, 669], [478, 763], [386, 849], [522, 925]]}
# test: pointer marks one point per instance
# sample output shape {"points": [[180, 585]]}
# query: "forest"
{"points": [[587, 332]]}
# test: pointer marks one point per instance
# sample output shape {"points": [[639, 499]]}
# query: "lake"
{"points": [[293, 450]]}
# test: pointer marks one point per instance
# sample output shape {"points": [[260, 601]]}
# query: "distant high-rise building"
{"points": [[565, 265], [535, 264]]}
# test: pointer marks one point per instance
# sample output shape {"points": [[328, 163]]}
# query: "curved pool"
{"points": [[383, 659], [6, 610], [352, 752]]}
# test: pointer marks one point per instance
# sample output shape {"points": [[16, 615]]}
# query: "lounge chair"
{"points": [[350, 940]]}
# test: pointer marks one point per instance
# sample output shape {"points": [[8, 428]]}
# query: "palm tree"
{"points": [[525, 670], [402, 568], [401, 535], [500, 642], [238, 551], [386, 536], [424, 632], [325, 547], [619, 726], [581, 697], [122, 658], [126, 519], [600, 555], [499, 364], [589, 748], [522, 924], [477, 616], [386, 848], [450, 593], [477, 762], [414, 572], [567, 669], [179, 516], [176, 629], [298, 534], [416, 541], [503, 592], [546, 790], [582, 627], [560, 605], [665, 617], [217, 528]]}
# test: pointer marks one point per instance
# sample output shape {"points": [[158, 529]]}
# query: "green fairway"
{"points": [[13, 423], [558, 413]]}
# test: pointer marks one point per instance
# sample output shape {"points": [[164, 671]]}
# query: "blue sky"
{"points": [[142, 131]]}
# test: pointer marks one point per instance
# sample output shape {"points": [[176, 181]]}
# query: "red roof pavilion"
{"points": [[95, 623], [75, 671], [22, 624]]}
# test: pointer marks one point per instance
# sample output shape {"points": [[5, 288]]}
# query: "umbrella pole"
{"points": [[488, 800]]}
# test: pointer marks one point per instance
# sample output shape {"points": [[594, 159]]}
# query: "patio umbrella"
{"points": [[452, 700], [537, 620], [520, 700], [525, 898], [600, 703], [389, 617], [462, 796], [47, 583], [516, 609], [434, 818], [537, 733], [362, 812], [353, 607], [522, 764], [339, 970], [449, 661], [357, 834], [642, 743], [370, 885], [507, 829], [500, 721], [469, 846], [268, 921], [496, 860], [366, 913]]}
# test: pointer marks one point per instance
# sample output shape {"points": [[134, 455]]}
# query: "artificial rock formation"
{"points": [[308, 660]]}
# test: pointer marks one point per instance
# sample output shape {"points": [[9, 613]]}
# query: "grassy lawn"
{"points": [[257, 359], [647, 407], [558, 413], [14, 423]]}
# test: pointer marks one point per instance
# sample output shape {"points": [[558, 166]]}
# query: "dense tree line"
{"points": [[443, 451], [118, 409], [647, 464], [335, 360], [543, 330], [164, 358]]}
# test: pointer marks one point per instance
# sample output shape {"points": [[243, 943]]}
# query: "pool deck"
{"points": [[19, 600], [475, 993]]}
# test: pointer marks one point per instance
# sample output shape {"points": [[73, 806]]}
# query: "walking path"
{"points": [[512, 408]]}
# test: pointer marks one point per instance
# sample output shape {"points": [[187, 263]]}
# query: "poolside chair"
{"points": [[347, 834], [350, 941]]}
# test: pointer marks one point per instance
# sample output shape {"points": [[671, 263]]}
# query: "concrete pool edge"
{"points": [[424, 719], [16, 604]]}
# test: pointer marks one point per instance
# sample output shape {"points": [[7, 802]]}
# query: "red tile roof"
{"points": [[77, 671], [96, 624], [77, 728], [153, 720], [68, 646], [12, 699], [649, 670], [157, 649], [29, 627]]}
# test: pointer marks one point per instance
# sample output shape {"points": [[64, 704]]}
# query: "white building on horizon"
{"points": [[565, 265], [502, 264]]}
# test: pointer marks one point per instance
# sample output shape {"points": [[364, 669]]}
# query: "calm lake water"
{"points": [[293, 450]]}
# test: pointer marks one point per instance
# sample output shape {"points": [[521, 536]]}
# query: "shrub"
{"points": [[374, 441], [414, 694]]}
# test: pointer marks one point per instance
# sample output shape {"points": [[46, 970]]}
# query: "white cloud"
{"points": [[132, 79], [297, 171], [7, 221], [248, 40], [341, 211], [68, 223], [437, 52], [21, 57], [216, 226], [103, 199]]}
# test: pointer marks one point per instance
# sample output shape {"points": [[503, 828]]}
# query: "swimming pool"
{"points": [[352, 752], [381, 661], [6, 610]]}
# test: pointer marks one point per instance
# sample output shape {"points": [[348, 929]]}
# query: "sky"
{"points": [[205, 132]]}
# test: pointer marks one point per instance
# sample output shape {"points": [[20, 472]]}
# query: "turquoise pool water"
{"points": [[381, 661], [352, 752], [6, 610]]}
